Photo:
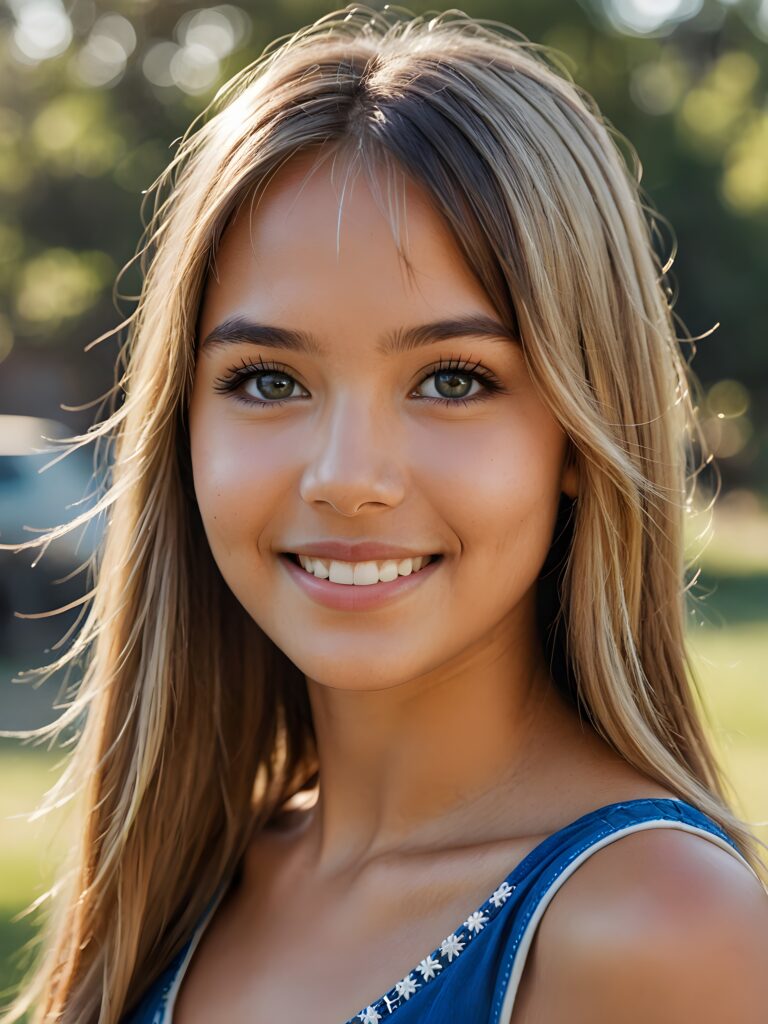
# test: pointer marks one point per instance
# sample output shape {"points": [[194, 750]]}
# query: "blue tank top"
{"points": [[474, 973]]}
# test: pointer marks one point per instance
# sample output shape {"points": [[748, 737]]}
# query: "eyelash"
{"points": [[237, 375]]}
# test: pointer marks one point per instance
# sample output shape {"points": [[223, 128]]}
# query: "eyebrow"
{"points": [[238, 329]]}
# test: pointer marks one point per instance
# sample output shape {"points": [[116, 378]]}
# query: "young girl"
{"points": [[386, 644]]}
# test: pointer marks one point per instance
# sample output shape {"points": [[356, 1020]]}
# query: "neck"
{"points": [[403, 768]]}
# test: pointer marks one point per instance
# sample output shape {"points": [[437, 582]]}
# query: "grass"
{"points": [[29, 851], [727, 637]]}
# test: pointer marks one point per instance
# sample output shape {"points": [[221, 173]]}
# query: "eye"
{"points": [[270, 385], [262, 383], [454, 379]]}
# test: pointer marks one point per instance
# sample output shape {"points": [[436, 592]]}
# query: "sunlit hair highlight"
{"points": [[194, 729]]}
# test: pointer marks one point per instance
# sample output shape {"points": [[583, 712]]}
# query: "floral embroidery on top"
{"points": [[502, 894], [406, 987], [451, 947], [430, 967], [368, 1016], [475, 922]]}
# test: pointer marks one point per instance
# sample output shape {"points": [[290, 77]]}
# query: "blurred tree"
{"points": [[94, 93]]}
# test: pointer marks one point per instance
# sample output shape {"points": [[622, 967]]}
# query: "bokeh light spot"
{"points": [[42, 29], [60, 283], [647, 16], [728, 398]]}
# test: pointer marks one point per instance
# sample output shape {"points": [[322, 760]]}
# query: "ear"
{"points": [[569, 481]]}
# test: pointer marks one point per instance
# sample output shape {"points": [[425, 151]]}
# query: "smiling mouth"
{"points": [[360, 574]]}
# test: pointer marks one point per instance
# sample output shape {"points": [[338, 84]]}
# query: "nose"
{"points": [[354, 461]]}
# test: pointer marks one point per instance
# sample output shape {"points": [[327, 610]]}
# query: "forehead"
{"points": [[320, 236]]}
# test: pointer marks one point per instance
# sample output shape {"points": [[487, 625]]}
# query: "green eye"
{"points": [[272, 385], [454, 379], [450, 384]]}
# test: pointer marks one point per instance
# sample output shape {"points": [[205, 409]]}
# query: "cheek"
{"points": [[238, 483], [498, 485]]}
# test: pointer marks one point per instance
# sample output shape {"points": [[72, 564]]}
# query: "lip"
{"points": [[348, 597], [356, 551]]}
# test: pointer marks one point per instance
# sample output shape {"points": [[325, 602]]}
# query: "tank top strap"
{"points": [[559, 856], [158, 1001]]}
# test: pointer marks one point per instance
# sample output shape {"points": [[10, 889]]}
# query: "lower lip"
{"points": [[350, 598]]}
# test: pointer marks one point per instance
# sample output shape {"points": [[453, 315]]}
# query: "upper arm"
{"points": [[659, 926]]}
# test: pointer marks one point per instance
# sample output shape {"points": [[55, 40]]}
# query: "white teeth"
{"points": [[365, 573], [341, 572], [315, 566], [361, 574], [320, 569], [388, 572]]}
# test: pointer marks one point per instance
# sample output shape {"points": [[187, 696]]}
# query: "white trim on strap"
{"points": [[170, 1000], [527, 938]]}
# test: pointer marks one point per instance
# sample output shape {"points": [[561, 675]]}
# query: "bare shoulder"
{"points": [[660, 925]]}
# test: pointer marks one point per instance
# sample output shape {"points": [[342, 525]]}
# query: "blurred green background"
{"points": [[93, 96]]}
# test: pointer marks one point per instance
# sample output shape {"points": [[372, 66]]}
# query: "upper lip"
{"points": [[357, 551]]}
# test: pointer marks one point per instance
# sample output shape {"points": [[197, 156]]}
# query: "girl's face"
{"points": [[331, 412]]}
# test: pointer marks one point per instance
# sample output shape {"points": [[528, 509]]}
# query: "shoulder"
{"points": [[660, 925]]}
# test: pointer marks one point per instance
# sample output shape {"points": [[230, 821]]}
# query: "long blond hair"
{"points": [[194, 727]]}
